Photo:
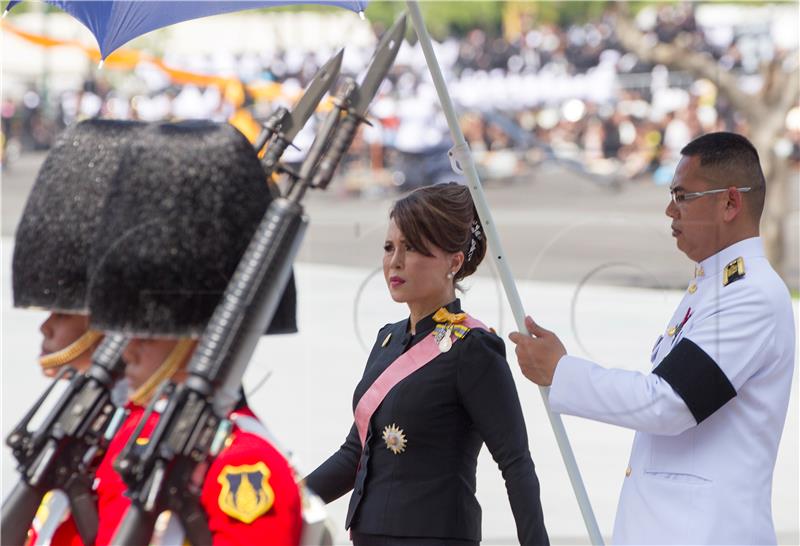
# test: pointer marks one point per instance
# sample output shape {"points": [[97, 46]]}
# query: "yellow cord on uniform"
{"points": [[70, 352], [164, 372]]}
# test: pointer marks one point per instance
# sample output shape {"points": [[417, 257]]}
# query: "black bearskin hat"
{"points": [[54, 236], [180, 214]]}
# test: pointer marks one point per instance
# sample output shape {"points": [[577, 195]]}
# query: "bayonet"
{"points": [[283, 126], [358, 102], [382, 61]]}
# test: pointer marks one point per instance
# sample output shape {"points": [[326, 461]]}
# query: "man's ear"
{"points": [[734, 204]]}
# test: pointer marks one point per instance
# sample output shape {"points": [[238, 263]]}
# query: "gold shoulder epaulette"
{"points": [[733, 271]]}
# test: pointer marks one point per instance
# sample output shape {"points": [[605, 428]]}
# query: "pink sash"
{"points": [[406, 364]]}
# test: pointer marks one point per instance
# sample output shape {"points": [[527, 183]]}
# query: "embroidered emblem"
{"points": [[733, 271], [386, 340], [395, 439], [246, 493]]}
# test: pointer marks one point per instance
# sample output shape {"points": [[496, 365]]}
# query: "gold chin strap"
{"points": [[167, 369], [71, 351]]}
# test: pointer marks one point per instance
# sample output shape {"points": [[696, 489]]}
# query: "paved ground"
{"points": [[554, 226], [306, 401]]}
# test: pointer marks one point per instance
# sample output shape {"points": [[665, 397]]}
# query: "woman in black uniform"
{"points": [[436, 386]]}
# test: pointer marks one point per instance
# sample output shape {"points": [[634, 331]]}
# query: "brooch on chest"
{"points": [[395, 438], [443, 335], [448, 325]]}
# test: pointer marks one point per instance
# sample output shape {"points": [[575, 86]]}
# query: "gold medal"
{"points": [[395, 438]]}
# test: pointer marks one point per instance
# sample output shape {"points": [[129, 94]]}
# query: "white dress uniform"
{"points": [[710, 414]]}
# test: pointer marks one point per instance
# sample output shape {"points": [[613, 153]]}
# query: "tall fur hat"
{"points": [[180, 214], [54, 236]]}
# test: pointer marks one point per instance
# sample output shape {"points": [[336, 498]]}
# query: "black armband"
{"points": [[696, 378]]}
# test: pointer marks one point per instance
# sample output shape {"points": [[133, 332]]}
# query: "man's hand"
{"points": [[538, 355]]}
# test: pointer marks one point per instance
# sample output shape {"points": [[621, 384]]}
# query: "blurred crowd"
{"points": [[551, 92]]}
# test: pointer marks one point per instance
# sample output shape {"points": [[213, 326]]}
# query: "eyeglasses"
{"points": [[679, 197]]}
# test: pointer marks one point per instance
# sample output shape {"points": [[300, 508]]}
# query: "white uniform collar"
{"points": [[746, 248]]}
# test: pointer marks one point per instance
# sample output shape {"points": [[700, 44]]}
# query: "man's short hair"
{"points": [[734, 161]]}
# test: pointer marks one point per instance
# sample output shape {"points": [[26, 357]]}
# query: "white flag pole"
{"points": [[462, 161]]}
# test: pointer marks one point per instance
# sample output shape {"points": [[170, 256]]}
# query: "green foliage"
{"points": [[446, 18], [443, 18], [292, 8], [563, 12]]}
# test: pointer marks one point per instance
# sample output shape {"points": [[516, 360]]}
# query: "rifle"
{"points": [[193, 426], [63, 453]]}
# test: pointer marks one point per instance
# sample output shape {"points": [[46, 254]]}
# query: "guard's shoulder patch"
{"points": [[733, 271], [246, 493]]}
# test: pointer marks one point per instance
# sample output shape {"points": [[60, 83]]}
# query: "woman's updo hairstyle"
{"points": [[442, 215]]}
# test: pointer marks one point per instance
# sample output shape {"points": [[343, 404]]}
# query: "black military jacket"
{"points": [[446, 410]]}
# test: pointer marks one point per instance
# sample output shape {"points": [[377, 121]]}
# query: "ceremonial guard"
{"points": [[52, 247], [54, 236], [179, 214], [709, 415]]}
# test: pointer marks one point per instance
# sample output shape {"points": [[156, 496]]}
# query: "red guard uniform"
{"points": [[249, 494]]}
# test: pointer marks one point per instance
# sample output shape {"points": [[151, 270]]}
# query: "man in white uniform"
{"points": [[710, 414]]}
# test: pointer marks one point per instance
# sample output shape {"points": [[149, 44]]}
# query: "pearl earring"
{"points": [[450, 275]]}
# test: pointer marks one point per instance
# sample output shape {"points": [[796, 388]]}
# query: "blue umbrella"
{"points": [[116, 22]]}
